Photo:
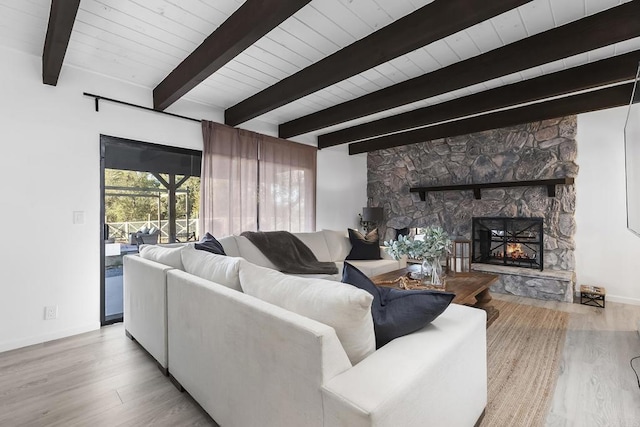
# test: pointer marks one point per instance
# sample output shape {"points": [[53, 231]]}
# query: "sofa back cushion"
{"points": [[251, 253], [317, 243], [341, 306], [230, 245], [164, 255], [216, 268], [338, 244], [166, 245]]}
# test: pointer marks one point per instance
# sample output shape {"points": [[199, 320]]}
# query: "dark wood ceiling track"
{"points": [[245, 26], [590, 101], [61, 18], [611, 26], [426, 25], [604, 72], [549, 183]]}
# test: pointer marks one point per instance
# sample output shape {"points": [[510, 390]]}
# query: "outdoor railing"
{"points": [[120, 231]]}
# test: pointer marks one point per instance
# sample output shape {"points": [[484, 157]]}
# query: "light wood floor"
{"points": [[595, 386], [99, 378], [104, 379]]}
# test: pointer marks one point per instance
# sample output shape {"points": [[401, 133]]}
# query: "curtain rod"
{"points": [[142, 107]]}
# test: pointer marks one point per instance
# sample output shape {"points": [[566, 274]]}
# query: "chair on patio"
{"points": [[144, 236]]}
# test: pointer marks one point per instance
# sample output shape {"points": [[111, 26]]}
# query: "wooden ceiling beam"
{"points": [[601, 73], [245, 26], [426, 25], [61, 18], [602, 29], [614, 96]]}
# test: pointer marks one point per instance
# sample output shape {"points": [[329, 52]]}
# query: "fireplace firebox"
{"points": [[507, 241]]}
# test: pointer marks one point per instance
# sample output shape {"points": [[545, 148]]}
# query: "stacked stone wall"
{"points": [[539, 150]]}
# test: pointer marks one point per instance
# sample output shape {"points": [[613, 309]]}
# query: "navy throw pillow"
{"points": [[364, 247], [210, 244], [398, 312]]}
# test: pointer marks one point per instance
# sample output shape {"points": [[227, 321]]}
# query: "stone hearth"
{"points": [[547, 285], [540, 150]]}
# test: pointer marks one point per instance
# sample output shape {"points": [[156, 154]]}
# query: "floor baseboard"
{"points": [[51, 336]]}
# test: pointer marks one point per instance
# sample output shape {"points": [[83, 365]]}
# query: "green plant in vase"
{"points": [[430, 249]]}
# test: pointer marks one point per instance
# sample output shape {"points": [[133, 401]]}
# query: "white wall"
{"points": [[341, 188], [607, 254], [49, 163], [49, 168]]}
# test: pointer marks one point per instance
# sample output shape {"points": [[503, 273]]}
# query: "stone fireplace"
{"points": [[533, 151]]}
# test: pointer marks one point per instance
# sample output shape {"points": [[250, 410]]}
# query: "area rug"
{"points": [[524, 347]]}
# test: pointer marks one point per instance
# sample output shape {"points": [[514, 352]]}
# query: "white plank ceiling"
{"points": [[141, 41]]}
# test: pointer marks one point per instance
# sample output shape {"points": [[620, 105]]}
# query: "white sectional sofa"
{"points": [[145, 281], [250, 362], [326, 245]]}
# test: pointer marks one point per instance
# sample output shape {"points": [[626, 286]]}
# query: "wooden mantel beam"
{"points": [[245, 26], [432, 22], [550, 184], [602, 29], [61, 18]]}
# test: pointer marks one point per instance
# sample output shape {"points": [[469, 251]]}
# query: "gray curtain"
{"points": [[252, 181], [287, 185], [229, 180]]}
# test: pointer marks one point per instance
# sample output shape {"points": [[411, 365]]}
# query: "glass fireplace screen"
{"points": [[514, 242]]}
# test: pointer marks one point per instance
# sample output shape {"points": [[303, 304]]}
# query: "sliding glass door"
{"points": [[150, 194]]}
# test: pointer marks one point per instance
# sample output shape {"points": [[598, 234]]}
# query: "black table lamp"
{"points": [[371, 217]]}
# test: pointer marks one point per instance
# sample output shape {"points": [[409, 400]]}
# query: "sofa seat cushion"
{"points": [[170, 256], [220, 269], [375, 267], [344, 307], [398, 312]]}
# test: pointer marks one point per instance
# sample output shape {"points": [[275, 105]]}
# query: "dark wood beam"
{"points": [[590, 101], [182, 181], [611, 26], [245, 26], [426, 25], [61, 18], [601, 73], [162, 181]]}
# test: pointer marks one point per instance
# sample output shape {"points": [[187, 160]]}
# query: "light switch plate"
{"points": [[78, 217]]}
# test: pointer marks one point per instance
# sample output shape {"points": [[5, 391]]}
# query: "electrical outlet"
{"points": [[51, 312]]}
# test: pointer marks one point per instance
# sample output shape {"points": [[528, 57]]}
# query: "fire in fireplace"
{"points": [[508, 241]]}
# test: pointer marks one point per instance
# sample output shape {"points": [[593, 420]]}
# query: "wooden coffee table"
{"points": [[470, 288]]}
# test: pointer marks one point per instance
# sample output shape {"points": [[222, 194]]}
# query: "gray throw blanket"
{"points": [[288, 253]]}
